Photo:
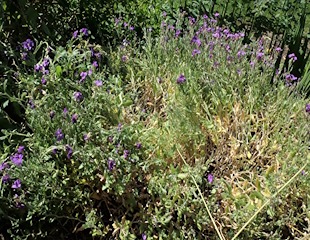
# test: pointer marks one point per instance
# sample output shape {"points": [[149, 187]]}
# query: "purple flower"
{"points": [[52, 114], [20, 149], [45, 62], [164, 14], [59, 135], [126, 24], [126, 154], [124, 58], [195, 52], [38, 67], [259, 55], [290, 78], [119, 127], [216, 35], [131, 28], [6, 178], [31, 103], [55, 151], [65, 112], [3, 166], [111, 164], [308, 108], [205, 16], [69, 151], [98, 83], [95, 64], [191, 20], [181, 79], [86, 137], [75, 34], [90, 72], [28, 44], [78, 96], [84, 31], [252, 64], [292, 56], [278, 49], [74, 118], [110, 139], [24, 56], [43, 81], [241, 53], [17, 159], [17, 184], [138, 145], [210, 178], [196, 40], [177, 33], [46, 72], [143, 236], [83, 76], [216, 14]]}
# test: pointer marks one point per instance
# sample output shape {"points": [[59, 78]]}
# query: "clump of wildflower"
{"points": [[196, 41], [259, 55], [143, 236], [177, 33], [278, 49], [3, 166], [138, 145], [95, 64], [17, 184], [181, 79], [59, 134], [17, 159], [43, 81], [126, 154], [78, 96], [28, 44], [290, 78], [20, 149]]}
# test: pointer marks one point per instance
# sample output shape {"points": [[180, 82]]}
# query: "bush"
{"points": [[120, 139]]}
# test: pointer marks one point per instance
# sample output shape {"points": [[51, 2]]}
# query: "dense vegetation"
{"points": [[154, 119]]}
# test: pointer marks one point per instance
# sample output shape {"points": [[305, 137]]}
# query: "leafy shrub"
{"points": [[120, 139]]}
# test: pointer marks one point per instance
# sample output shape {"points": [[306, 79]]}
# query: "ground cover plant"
{"points": [[176, 137]]}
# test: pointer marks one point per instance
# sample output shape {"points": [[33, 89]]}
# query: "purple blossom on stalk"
{"points": [[55, 151], [6, 178], [3, 166], [216, 35], [20, 149], [195, 52], [78, 96], [74, 118], [83, 76], [98, 83], [171, 27], [65, 112], [308, 108], [38, 68], [90, 72], [177, 33], [110, 139], [124, 58], [227, 48], [131, 28], [252, 64], [75, 34], [24, 56], [205, 16], [216, 14], [241, 53], [164, 14], [138, 145], [45, 62], [84, 31], [17, 184], [46, 72], [181, 79], [28, 44], [292, 56], [69, 151], [126, 24], [278, 49], [143, 236], [43, 81], [111, 164], [210, 178], [290, 78], [196, 40], [126, 154], [17, 159], [59, 135], [259, 55], [95, 64], [119, 127], [86, 137]]}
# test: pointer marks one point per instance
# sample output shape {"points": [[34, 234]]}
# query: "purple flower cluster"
{"points": [[78, 96], [84, 31], [28, 44], [181, 79], [308, 108]]}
